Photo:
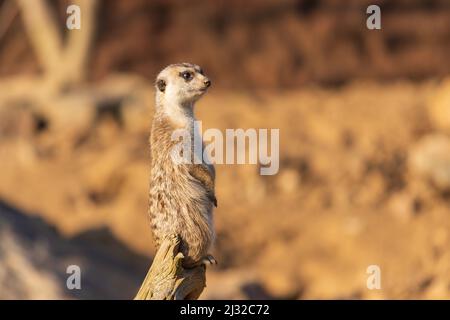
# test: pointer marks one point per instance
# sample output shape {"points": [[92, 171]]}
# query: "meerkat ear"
{"points": [[161, 84]]}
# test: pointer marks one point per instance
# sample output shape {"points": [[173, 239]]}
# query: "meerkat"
{"points": [[182, 195]]}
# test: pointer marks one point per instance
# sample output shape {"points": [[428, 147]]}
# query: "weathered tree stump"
{"points": [[167, 279]]}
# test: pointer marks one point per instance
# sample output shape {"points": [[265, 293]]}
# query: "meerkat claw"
{"points": [[208, 260]]}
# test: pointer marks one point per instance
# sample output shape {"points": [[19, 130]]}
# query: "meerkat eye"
{"points": [[186, 75]]}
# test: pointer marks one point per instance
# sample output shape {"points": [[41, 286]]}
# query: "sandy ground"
{"points": [[348, 195]]}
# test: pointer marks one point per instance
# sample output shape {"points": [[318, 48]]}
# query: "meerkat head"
{"points": [[181, 84]]}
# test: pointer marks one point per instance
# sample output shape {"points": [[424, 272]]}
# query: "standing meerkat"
{"points": [[181, 194]]}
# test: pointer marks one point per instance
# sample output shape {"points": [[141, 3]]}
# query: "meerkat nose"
{"points": [[207, 83]]}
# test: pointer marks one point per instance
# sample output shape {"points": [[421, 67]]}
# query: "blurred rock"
{"points": [[137, 111], [282, 285], [227, 285], [430, 159], [440, 237], [102, 177], [401, 205], [288, 181], [255, 189], [70, 117], [439, 289], [17, 121], [436, 285]]}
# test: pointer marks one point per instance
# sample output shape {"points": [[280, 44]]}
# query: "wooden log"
{"points": [[167, 279]]}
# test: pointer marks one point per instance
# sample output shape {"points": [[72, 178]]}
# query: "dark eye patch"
{"points": [[187, 75], [161, 84]]}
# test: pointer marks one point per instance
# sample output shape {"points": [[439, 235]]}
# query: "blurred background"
{"points": [[364, 119]]}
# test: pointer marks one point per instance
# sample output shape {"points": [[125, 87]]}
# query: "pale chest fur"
{"points": [[178, 202]]}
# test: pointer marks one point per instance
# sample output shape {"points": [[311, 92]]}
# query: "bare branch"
{"points": [[77, 50], [42, 30], [62, 63]]}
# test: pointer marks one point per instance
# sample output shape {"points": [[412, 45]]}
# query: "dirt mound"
{"points": [[346, 196]]}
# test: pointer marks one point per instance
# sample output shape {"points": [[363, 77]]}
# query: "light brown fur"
{"points": [[181, 195]]}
